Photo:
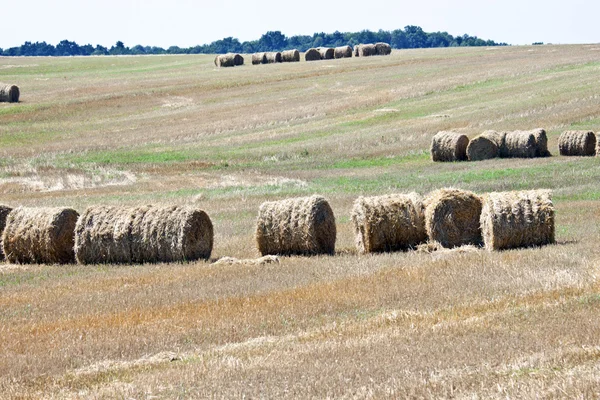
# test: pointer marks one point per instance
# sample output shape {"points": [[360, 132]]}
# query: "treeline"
{"points": [[411, 37]]}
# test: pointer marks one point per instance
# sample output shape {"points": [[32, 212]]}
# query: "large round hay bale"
{"points": [[4, 211], [143, 234], [238, 60], [273, 57], [290, 56], [577, 143], [302, 226], [541, 142], [366, 50], [225, 60], [9, 93], [452, 217], [327, 53], [449, 146], [312, 55], [383, 49], [517, 219], [388, 223], [485, 146], [259, 58], [342, 52], [40, 235], [519, 144]]}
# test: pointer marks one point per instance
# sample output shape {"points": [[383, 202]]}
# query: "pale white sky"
{"points": [[187, 23]]}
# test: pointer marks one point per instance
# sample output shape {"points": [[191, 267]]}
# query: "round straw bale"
{"points": [[259, 58], [143, 234], [40, 235], [225, 60], [327, 53], [342, 52], [517, 219], [485, 146], [388, 223], [9, 93], [303, 226], [449, 146], [312, 55], [238, 59], [273, 57], [383, 49], [4, 211], [367, 50], [452, 217], [577, 143], [519, 144], [290, 56], [541, 142]]}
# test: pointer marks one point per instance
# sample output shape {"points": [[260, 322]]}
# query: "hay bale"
{"points": [[143, 234], [357, 51], [517, 219], [238, 60], [9, 93], [519, 144], [303, 226], [312, 55], [383, 49], [452, 217], [485, 146], [449, 146], [273, 57], [577, 143], [290, 56], [366, 50], [259, 58], [342, 52], [388, 223], [4, 211], [327, 53], [40, 235], [225, 60], [541, 142]]}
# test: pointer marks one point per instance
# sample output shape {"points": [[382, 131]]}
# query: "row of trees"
{"points": [[410, 37]]}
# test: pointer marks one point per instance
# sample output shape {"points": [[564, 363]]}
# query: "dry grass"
{"points": [[130, 131]]}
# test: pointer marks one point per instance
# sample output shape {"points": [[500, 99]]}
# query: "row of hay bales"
{"points": [[377, 49], [275, 57], [298, 226], [452, 146], [105, 235], [9, 93]]}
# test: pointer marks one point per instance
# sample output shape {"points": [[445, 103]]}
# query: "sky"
{"points": [[188, 23]]}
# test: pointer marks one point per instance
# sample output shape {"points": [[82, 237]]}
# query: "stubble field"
{"points": [[174, 129]]}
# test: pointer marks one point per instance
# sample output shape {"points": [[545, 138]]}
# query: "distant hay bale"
{"points": [[327, 53], [577, 143], [40, 235], [342, 52], [9, 93], [452, 217], [273, 57], [449, 146], [383, 49], [519, 144], [312, 55], [388, 223], [485, 146], [4, 211], [366, 50], [517, 219], [301, 226], [229, 60], [259, 58], [143, 234], [290, 56], [541, 142]]}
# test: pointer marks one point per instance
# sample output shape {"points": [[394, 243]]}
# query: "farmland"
{"points": [[176, 130]]}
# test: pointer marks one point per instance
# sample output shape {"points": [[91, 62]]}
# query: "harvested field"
{"points": [[126, 132]]}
